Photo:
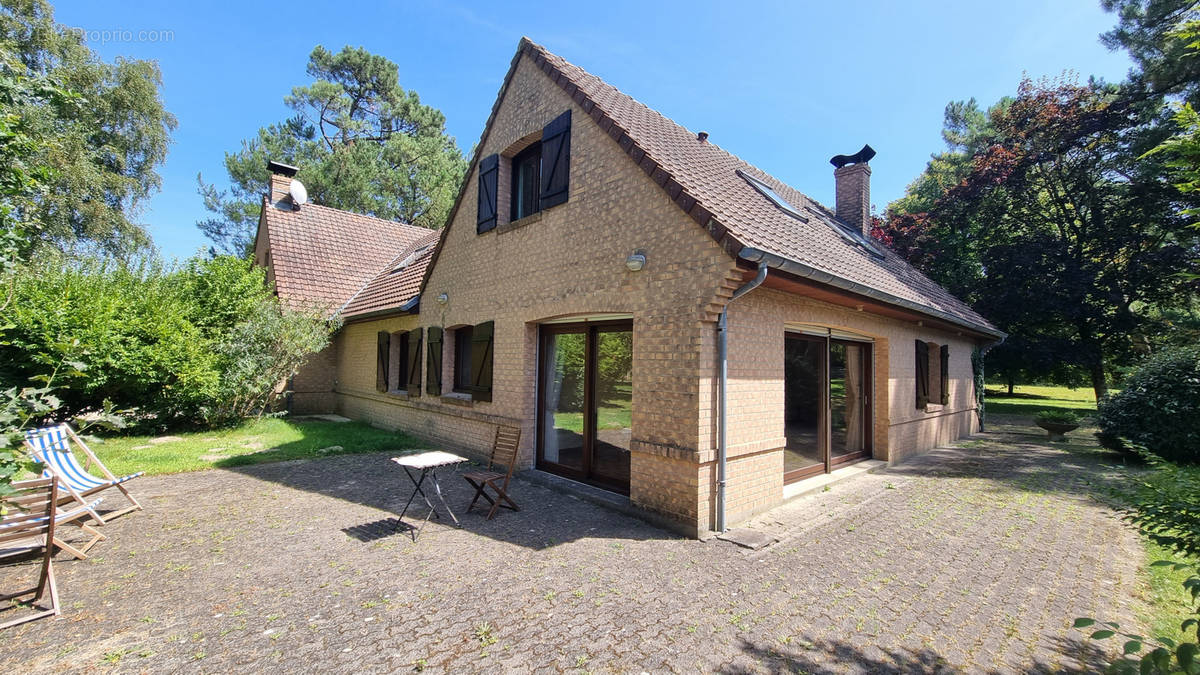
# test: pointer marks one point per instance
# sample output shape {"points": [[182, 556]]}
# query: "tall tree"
{"points": [[104, 158], [1148, 30], [1059, 229], [362, 143]]}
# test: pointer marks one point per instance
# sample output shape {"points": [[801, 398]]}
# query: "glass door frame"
{"points": [[825, 422], [590, 329]]}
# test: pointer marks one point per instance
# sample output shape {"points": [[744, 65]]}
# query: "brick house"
{"points": [[600, 271]]}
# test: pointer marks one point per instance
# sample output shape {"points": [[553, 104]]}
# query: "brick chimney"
{"points": [[853, 178], [854, 195], [281, 181]]}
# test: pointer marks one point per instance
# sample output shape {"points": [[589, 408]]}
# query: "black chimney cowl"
{"points": [[861, 157]]}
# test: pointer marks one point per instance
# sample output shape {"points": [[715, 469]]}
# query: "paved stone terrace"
{"points": [[975, 559]]}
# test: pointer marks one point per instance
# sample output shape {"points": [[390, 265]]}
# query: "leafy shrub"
{"points": [[1159, 408], [1058, 416], [174, 343], [258, 353]]}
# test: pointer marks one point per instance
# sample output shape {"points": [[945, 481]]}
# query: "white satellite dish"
{"points": [[297, 192]]}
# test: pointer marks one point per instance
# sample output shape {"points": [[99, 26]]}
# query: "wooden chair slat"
{"points": [[504, 456], [40, 533]]}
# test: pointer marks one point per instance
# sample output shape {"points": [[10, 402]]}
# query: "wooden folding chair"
{"points": [[29, 527], [52, 447], [504, 456]]}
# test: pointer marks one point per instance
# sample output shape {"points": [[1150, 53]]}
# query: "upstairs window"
{"points": [[539, 177], [526, 182]]}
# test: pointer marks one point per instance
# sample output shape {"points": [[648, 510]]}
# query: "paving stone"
{"points": [[972, 559]]}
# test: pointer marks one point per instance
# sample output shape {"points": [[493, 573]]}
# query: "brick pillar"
{"points": [[854, 195]]}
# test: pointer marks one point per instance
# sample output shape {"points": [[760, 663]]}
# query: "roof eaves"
{"points": [[822, 277]]}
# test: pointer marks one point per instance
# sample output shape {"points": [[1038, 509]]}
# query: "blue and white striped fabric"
{"points": [[59, 516], [52, 447]]}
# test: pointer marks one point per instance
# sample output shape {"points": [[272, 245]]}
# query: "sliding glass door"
{"points": [[585, 396], [827, 403]]}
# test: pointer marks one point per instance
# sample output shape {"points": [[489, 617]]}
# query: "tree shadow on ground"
{"points": [[817, 656], [1016, 456], [547, 517]]}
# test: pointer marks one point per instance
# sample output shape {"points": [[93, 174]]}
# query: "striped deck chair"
{"points": [[52, 447], [29, 528]]}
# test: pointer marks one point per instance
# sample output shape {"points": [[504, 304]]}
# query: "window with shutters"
{"points": [[921, 372], [526, 182], [536, 171], [934, 373], [398, 363], [472, 366], [462, 359]]}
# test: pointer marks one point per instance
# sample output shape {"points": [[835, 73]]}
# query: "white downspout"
{"points": [[723, 379]]}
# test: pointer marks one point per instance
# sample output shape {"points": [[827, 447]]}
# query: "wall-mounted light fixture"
{"points": [[636, 261], [442, 298]]}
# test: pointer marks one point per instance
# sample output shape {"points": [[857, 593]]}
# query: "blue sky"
{"points": [[783, 85]]}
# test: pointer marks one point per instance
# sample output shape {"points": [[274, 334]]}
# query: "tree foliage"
{"points": [[196, 345], [101, 149], [1165, 62], [1049, 220], [362, 143]]}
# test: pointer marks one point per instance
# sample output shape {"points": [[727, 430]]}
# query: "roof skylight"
{"points": [[783, 204], [855, 237]]}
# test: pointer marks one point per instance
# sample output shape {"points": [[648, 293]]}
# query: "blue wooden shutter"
{"points": [[556, 161], [489, 175]]}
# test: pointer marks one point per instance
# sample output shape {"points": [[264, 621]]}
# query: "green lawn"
{"points": [[1168, 601], [1028, 399], [253, 442]]}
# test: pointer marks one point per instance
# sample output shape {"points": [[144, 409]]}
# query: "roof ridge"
{"points": [[367, 215]]}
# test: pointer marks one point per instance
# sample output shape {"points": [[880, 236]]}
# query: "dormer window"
{"points": [[526, 182]]}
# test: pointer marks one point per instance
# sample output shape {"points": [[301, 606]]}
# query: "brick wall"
{"points": [[757, 325], [313, 385]]}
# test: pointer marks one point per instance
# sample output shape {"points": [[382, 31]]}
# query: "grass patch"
{"points": [[1028, 399], [1168, 601], [252, 442]]}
